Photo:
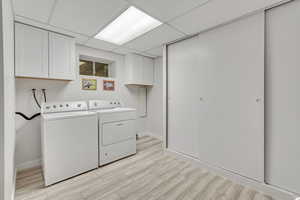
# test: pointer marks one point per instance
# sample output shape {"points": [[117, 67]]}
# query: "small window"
{"points": [[101, 69], [86, 68], [93, 68]]}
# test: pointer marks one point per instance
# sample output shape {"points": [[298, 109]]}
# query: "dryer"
{"points": [[116, 128]]}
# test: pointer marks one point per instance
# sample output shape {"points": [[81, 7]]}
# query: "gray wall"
{"points": [[154, 121], [7, 102], [1, 108]]}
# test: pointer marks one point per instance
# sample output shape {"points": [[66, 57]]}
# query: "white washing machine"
{"points": [[117, 130], [69, 140]]}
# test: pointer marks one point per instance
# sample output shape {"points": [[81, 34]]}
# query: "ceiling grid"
{"points": [[83, 19], [52, 11]]}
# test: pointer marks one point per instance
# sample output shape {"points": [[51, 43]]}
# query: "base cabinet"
{"points": [[43, 54]]}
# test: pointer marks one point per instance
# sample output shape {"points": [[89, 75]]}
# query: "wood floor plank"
{"points": [[247, 194], [151, 174], [221, 190], [234, 192]]}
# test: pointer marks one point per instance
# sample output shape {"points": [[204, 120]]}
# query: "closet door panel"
{"points": [[283, 96], [216, 95], [232, 134], [185, 80]]}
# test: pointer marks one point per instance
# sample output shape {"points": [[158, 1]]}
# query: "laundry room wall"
{"points": [[154, 123], [28, 145], [7, 99]]}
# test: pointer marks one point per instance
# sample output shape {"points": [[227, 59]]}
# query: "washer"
{"points": [[117, 130], [69, 140]]}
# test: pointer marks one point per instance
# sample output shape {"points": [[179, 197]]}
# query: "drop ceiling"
{"points": [[83, 19]]}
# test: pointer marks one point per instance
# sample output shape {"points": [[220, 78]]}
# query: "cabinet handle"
{"points": [[120, 124]]}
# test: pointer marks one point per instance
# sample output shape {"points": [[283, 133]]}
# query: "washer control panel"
{"points": [[103, 104], [56, 107]]}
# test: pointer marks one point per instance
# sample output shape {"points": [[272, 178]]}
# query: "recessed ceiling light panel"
{"points": [[129, 25]]}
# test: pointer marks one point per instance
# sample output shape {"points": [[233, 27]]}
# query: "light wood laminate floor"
{"points": [[151, 174]]}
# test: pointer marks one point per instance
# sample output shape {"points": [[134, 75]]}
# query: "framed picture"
{"points": [[108, 85], [89, 84]]}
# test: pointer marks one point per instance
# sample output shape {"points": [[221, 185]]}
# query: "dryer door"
{"points": [[115, 132]]}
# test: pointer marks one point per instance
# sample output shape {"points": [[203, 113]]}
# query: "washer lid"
{"points": [[65, 115]]}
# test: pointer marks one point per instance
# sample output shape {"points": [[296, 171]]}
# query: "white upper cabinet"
{"points": [[62, 57], [43, 54], [31, 51], [139, 70], [148, 71]]}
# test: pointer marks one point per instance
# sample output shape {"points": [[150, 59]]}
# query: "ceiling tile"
{"points": [[216, 13], [86, 16], [80, 39], [161, 35], [146, 54], [125, 51], [166, 9], [100, 44], [157, 51], [34, 9]]}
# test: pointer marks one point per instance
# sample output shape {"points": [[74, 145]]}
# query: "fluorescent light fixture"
{"points": [[129, 25]]}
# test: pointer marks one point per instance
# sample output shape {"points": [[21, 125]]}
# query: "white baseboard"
{"points": [[276, 193], [29, 164]]}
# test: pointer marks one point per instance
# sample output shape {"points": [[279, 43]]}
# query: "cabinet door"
{"points": [[31, 51], [134, 69], [148, 71], [62, 57]]}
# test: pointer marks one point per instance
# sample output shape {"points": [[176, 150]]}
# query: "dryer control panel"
{"points": [[57, 107], [103, 104]]}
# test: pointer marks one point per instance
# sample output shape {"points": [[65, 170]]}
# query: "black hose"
{"points": [[33, 92], [44, 93], [37, 114], [28, 118]]}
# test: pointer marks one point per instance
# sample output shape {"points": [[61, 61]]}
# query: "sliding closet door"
{"points": [[283, 96], [186, 81], [216, 91]]}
